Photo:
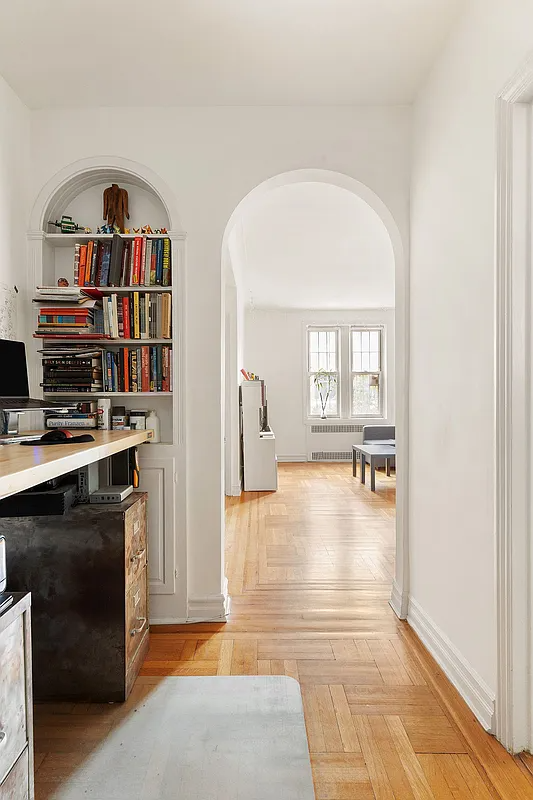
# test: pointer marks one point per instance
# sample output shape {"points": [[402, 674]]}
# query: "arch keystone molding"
{"points": [[400, 592], [164, 465]]}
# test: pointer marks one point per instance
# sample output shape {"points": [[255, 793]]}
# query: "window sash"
{"points": [[366, 353], [323, 352]]}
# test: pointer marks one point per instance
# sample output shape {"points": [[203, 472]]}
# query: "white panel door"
{"points": [[157, 478]]}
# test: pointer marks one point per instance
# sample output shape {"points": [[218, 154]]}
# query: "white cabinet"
{"points": [[157, 478], [259, 442]]}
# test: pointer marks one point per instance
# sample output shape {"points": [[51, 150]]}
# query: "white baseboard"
{"points": [[292, 459], [234, 491], [468, 683], [211, 608], [399, 601]]}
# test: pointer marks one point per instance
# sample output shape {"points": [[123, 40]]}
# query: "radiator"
{"points": [[332, 441]]}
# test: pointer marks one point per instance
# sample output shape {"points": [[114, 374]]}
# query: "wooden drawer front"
{"points": [[12, 696], [16, 785], [135, 536], [136, 616]]}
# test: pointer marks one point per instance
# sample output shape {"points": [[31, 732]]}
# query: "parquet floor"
{"points": [[309, 571]]}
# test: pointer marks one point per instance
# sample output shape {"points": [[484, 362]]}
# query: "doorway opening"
{"points": [[273, 310]]}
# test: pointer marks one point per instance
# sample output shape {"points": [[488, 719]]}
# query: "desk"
{"points": [[24, 467], [373, 452]]}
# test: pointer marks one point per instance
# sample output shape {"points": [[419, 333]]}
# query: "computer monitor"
{"points": [[13, 369]]}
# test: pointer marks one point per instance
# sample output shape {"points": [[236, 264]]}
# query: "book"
{"points": [[106, 262], [148, 262], [137, 248], [77, 264], [116, 261], [143, 262], [153, 262], [145, 368], [166, 263], [136, 316], [82, 263], [126, 315]]}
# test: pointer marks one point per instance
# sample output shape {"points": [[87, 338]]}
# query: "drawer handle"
{"points": [[135, 631], [3, 737], [138, 555]]}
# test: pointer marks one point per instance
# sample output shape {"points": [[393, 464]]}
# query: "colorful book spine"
{"points": [[136, 317], [148, 262], [142, 271], [153, 262], [126, 316], [77, 264], [166, 262], [82, 265], [106, 263], [137, 252]]}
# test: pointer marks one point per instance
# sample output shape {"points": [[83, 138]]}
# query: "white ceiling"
{"points": [[220, 52], [313, 245]]}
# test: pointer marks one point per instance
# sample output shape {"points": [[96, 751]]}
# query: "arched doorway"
{"points": [[400, 587]]}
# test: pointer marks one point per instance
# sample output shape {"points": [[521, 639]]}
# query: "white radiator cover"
{"points": [[332, 442]]}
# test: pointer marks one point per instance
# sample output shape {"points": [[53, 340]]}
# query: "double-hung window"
{"points": [[323, 377], [365, 351], [344, 372]]}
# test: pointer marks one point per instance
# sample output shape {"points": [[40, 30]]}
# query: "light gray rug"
{"points": [[202, 738]]}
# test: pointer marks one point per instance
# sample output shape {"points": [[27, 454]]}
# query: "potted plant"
{"points": [[325, 383]]}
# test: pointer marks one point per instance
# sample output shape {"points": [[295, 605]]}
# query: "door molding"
{"points": [[512, 410]]}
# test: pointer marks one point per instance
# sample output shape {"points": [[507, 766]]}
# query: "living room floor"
{"points": [[310, 570]]}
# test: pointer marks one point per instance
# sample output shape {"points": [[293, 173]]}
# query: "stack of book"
{"points": [[135, 315], [138, 369], [85, 416], [123, 262], [67, 312], [72, 370]]}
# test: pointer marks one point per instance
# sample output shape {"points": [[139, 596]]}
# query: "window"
{"points": [[344, 377], [366, 372], [323, 372]]}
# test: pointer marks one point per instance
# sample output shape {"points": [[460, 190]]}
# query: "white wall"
{"points": [[452, 307], [275, 349], [211, 158], [14, 210]]}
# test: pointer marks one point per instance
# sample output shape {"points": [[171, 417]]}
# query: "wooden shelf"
{"points": [[88, 395]]}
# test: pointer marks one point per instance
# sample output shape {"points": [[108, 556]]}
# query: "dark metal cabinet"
{"points": [[87, 574]]}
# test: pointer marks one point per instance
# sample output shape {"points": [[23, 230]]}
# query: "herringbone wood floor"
{"points": [[309, 571]]}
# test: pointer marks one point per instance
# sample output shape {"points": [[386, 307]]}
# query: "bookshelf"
{"points": [[51, 256]]}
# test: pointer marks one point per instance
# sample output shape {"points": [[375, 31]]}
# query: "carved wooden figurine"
{"points": [[116, 206]]}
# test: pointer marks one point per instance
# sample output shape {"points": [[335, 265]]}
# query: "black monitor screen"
{"points": [[13, 369]]}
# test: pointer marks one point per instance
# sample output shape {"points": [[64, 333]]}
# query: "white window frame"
{"points": [[344, 365], [380, 371], [308, 372]]}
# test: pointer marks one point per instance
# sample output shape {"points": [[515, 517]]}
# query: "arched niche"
{"points": [[78, 183]]}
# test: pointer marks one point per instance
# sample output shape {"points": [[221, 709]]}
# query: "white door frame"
{"points": [[513, 411]]}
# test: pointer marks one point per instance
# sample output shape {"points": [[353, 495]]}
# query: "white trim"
{"points": [[292, 459], [399, 601], [512, 412], [235, 490], [468, 683], [211, 608]]}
